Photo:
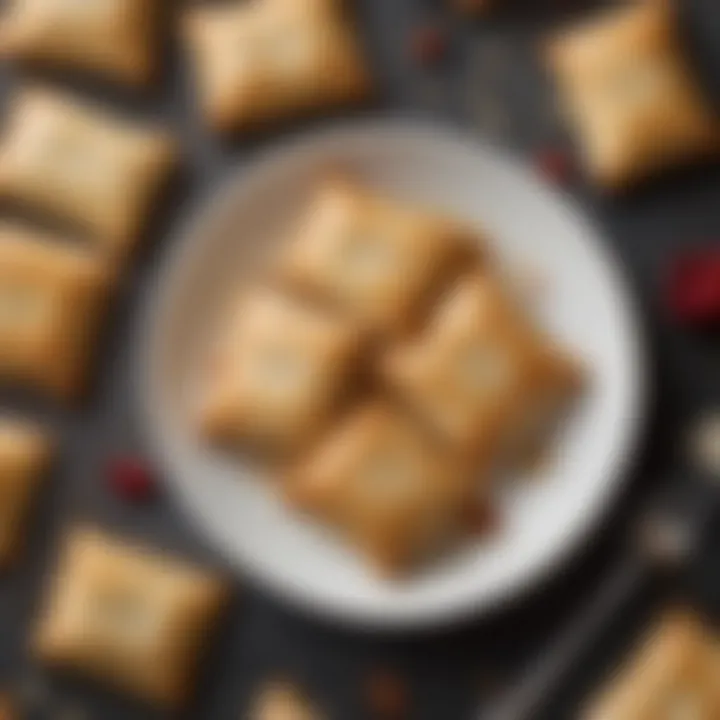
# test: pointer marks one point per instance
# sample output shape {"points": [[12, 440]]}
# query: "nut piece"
{"points": [[668, 541], [704, 442], [281, 700]]}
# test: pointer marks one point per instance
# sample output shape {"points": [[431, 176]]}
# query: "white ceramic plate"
{"points": [[586, 305]]}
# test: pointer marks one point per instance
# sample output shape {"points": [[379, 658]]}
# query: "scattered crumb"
{"points": [[667, 540], [281, 700], [704, 445], [387, 696], [429, 44]]}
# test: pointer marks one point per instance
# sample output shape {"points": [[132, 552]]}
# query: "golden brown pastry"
{"points": [[481, 374], [673, 675], [83, 166], [277, 373], [270, 59], [25, 452], [112, 38], [52, 300], [378, 260], [135, 619], [630, 94], [390, 491]]}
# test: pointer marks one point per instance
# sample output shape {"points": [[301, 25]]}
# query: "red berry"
{"points": [[429, 44], [131, 479], [693, 287], [555, 165]]}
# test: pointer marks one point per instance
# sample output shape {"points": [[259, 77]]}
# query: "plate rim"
{"points": [[180, 241]]}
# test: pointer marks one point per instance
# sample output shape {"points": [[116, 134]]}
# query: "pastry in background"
{"points": [[25, 454], [481, 374], [115, 39], [278, 371], [385, 486], [81, 165], [630, 94], [376, 259], [133, 618], [673, 675], [52, 301], [270, 59]]}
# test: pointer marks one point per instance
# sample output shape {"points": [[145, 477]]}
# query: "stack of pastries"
{"points": [[386, 371]]}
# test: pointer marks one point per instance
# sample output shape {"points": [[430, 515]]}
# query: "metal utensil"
{"points": [[665, 539]]}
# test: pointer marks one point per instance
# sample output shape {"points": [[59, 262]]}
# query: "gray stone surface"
{"points": [[490, 84]]}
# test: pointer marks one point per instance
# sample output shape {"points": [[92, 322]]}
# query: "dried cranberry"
{"points": [[131, 479], [554, 165], [429, 44], [693, 287]]}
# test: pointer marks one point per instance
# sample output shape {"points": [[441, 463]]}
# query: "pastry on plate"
{"points": [[630, 94], [25, 452], [111, 38], [268, 59], [278, 371], [385, 486], [52, 300], [379, 260], [82, 166], [673, 675], [481, 374], [133, 618]]}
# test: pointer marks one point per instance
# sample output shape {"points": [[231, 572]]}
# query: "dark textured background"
{"points": [[491, 84]]}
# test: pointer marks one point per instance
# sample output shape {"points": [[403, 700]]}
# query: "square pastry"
{"points": [[480, 373], [24, 457], [127, 616], [269, 59], [52, 298], [674, 675], [277, 373], [385, 486], [112, 38], [376, 259], [630, 94], [82, 166]]}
